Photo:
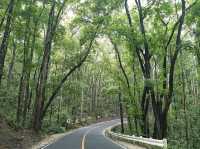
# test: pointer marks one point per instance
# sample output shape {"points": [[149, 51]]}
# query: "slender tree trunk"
{"points": [[59, 110], [4, 42], [51, 113], [198, 63], [11, 65], [185, 113], [130, 125], [27, 101], [184, 103], [121, 112], [136, 118], [23, 89], [82, 103]]}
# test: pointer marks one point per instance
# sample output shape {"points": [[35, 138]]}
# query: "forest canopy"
{"points": [[89, 59]]}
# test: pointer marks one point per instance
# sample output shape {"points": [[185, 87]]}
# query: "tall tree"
{"points": [[4, 42], [43, 73]]}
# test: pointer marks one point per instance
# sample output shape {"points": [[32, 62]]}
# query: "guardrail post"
{"points": [[165, 143]]}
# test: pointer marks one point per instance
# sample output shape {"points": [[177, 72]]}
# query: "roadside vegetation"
{"points": [[69, 63]]}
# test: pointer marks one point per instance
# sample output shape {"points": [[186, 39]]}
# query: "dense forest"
{"points": [[84, 60]]}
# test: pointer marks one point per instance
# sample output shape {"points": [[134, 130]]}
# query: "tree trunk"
{"points": [[171, 72], [24, 92], [11, 65], [43, 73], [121, 112], [27, 100], [184, 96], [82, 103], [4, 42]]}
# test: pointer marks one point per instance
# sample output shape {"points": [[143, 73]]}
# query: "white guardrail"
{"points": [[148, 143]]}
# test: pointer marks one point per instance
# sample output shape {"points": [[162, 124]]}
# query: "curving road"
{"points": [[90, 137]]}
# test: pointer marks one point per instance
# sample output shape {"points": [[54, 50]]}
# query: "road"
{"points": [[90, 137]]}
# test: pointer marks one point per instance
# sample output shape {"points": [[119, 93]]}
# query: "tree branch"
{"points": [[136, 47], [178, 47], [142, 28], [120, 63], [78, 65], [176, 24]]}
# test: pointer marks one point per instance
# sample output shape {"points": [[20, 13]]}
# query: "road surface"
{"points": [[90, 137]]}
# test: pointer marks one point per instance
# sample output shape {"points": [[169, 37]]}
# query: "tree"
{"points": [[43, 73], [4, 42]]}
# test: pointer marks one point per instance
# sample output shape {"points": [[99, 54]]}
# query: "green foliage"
{"points": [[55, 129], [92, 90]]}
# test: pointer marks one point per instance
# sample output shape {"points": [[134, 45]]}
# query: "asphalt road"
{"points": [[90, 137]]}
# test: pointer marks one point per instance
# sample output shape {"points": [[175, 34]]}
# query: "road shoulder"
{"points": [[51, 139]]}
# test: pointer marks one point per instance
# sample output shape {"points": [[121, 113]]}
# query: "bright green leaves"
{"points": [[194, 15], [118, 28], [166, 8], [93, 12], [101, 7], [86, 34]]}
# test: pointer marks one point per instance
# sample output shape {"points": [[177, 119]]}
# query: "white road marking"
{"points": [[84, 137], [45, 146], [87, 132]]}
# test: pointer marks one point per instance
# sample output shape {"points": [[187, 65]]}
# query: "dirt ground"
{"points": [[24, 139], [11, 139]]}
